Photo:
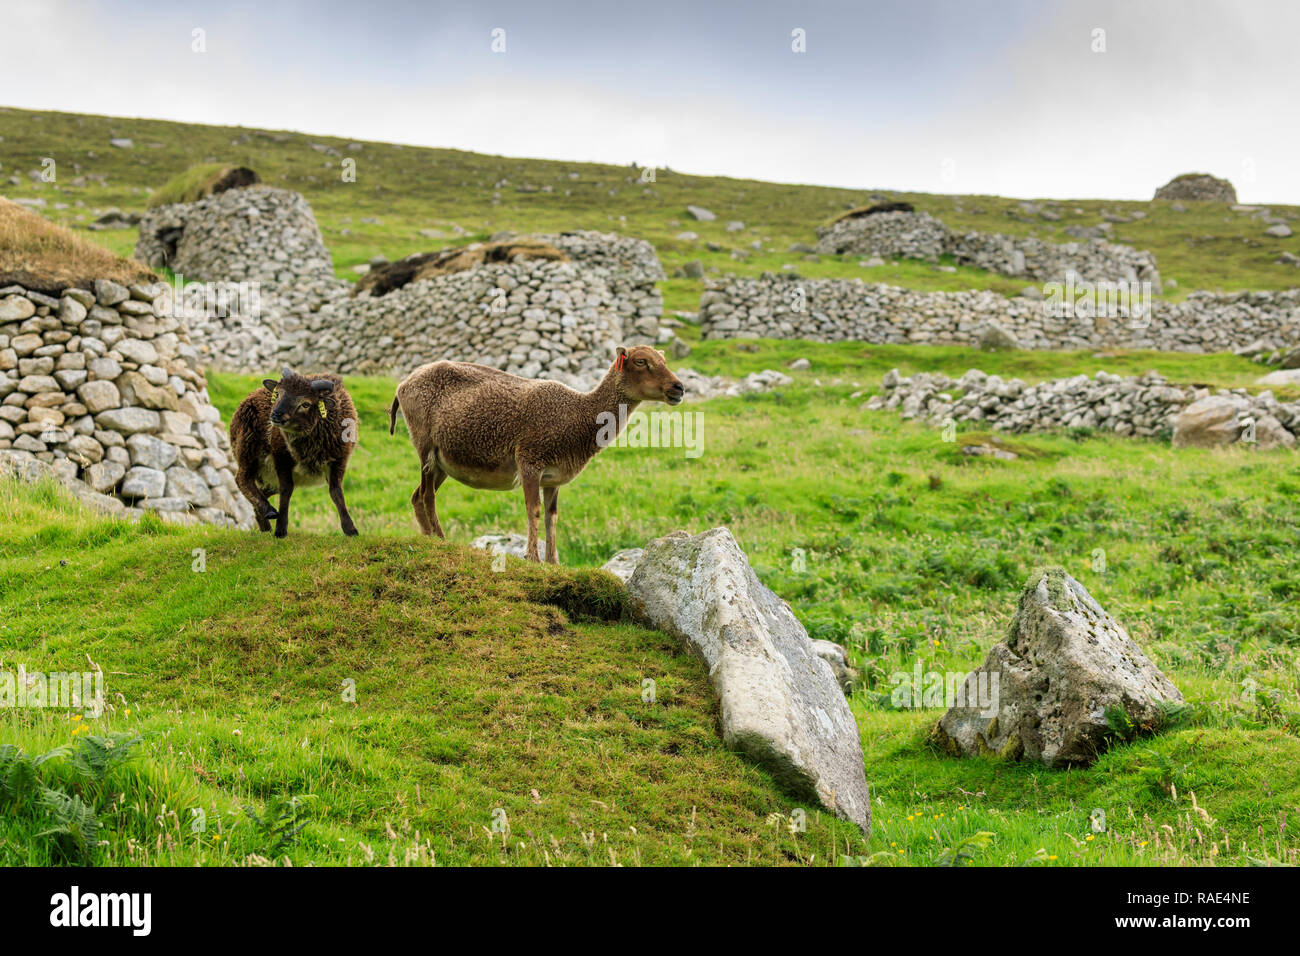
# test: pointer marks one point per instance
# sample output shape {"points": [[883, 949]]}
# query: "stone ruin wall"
{"points": [[104, 392], [834, 310], [532, 317]]}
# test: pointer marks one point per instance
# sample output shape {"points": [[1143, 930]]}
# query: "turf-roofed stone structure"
{"points": [[535, 317], [100, 386]]}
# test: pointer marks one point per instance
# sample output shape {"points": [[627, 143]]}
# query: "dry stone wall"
{"points": [[103, 391], [535, 318], [833, 310], [918, 235], [1146, 405]]}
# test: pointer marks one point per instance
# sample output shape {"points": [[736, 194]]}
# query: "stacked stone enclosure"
{"points": [[834, 310], [256, 234], [918, 235], [104, 391], [1198, 187], [535, 318]]}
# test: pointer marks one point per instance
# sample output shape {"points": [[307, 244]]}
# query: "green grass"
{"points": [[521, 690], [412, 188]]}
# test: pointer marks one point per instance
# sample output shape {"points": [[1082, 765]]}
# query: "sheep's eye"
{"points": [[302, 407], [641, 363]]}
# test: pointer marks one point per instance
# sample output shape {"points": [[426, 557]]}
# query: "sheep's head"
{"points": [[646, 377], [300, 402]]}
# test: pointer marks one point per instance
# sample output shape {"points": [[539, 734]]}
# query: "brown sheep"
{"points": [[300, 430], [490, 429]]}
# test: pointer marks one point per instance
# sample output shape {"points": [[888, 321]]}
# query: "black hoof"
{"points": [[282, 534], [271, 514], [350, 532]]}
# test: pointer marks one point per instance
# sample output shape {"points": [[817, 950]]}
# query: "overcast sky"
{"points": [[973, 96]]}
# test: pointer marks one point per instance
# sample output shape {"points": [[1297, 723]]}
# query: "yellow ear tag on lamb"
{"points": [[275, 394], [321, 405]]}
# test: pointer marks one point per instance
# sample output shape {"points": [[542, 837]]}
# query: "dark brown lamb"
{"points": [[300, 430], [490, 429]]}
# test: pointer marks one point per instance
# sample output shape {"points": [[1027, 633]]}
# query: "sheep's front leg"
{"points": [[262, 510], [337, 470], [552, 513], [533, 503], [285, 473]]}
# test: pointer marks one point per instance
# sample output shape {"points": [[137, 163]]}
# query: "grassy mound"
{"points": [[335, 701], [37, 254], [385, 279], [205, 180]]}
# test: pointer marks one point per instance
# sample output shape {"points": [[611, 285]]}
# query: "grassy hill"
{"points": [[392, 699], [521, 690], [407, 189]]}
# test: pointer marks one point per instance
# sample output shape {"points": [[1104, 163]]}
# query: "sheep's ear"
{"points": [[622, 350], [270, 384], [322, 385]]}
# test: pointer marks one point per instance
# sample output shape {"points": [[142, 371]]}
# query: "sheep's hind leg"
{"points": [[430, 485], [552, 496], [417, 505]]}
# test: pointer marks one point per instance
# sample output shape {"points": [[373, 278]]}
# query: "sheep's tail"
{"points": [[392, 416]]}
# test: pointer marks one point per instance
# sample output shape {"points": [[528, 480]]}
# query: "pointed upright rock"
{"points": [[1058, 682]]}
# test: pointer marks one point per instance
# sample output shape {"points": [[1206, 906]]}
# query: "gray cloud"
{"points": [[940, 95]]}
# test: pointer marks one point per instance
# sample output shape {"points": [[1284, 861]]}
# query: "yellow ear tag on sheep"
{"points": [[321, 405], [275, 394]]}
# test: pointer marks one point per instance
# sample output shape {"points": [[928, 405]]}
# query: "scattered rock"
{"points": [[835, 655], [1054, 691], [623, 563], [1211, 422], [989, 451], [1290, 376], [512, 544], [779, 702]]}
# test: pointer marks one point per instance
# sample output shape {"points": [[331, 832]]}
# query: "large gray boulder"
{"points": [[1218, 420], [780, 702], [1052, 692]]}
